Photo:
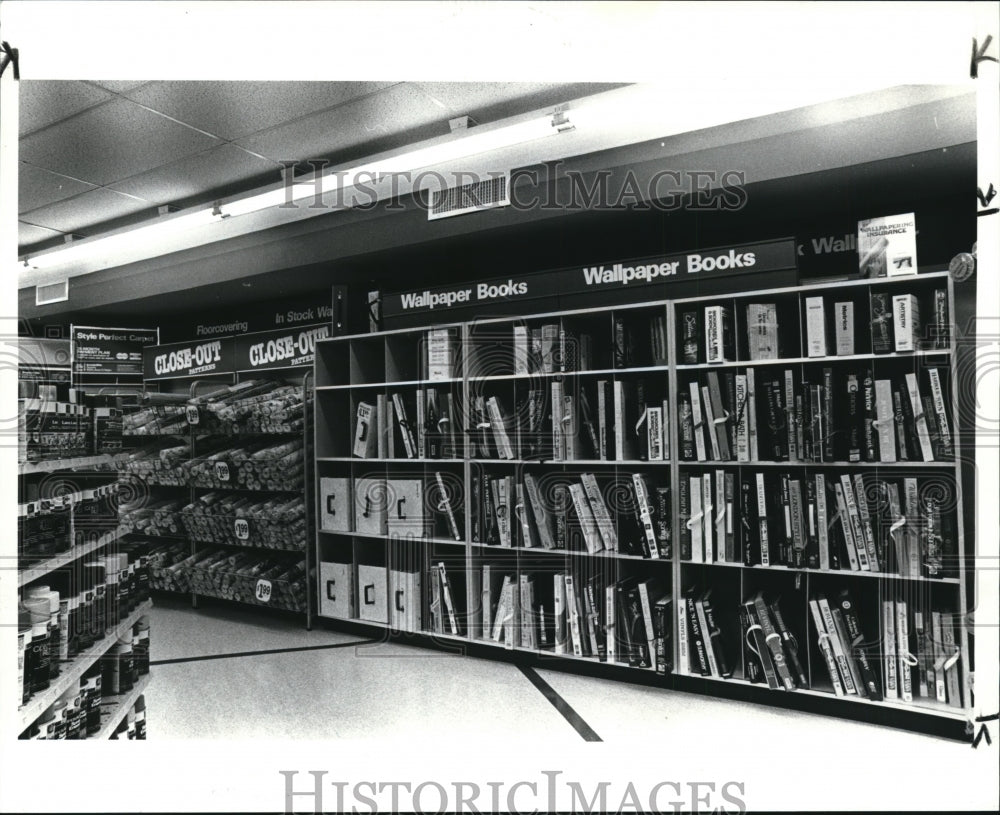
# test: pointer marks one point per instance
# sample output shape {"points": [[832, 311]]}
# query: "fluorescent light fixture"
{"points": [[462, 144], [150, 235], [155, 237]]}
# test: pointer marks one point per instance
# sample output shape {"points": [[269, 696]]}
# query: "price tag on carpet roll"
{"points": [[263, 592], [222, 470], [192, 414], [242, 529]]}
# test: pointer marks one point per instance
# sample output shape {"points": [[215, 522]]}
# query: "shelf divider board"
{"points": [[963, 600], [675, 570], [53, 465], [28, 575]]}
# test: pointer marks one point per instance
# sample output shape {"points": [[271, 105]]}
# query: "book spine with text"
{"points": [[845, 328], [940, 411], [772, 640], [826, 649], [906, 322], [815, 327]]}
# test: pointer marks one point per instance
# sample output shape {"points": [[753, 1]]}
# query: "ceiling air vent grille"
{"points": [[488, 194], [52, 293]]}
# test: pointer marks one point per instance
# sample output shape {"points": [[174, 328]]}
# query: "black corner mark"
{"points": [[979, 55], [989, 195], [983, 730], [9, 55]]}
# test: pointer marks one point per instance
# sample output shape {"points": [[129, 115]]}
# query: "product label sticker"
{"points": [[263, 591], [222, 470], [242, 529]]}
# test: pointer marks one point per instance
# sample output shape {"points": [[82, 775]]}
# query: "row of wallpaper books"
{"points": [[561, 347], [857, 522], [916, 656], [820, 415], [621, 515], [770, 649], [568, 420], [387, 430], [896, 325], [626, 621], [630, 621]]}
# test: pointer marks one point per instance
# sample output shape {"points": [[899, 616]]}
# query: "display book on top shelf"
{"points": [[86, 593], [239, 527], [611, 574]]}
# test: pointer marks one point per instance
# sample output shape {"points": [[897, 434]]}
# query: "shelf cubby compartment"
{"points": [[711, 515], [372, 574], [781, 596], [847, 647], [423, 355], [335, 417], [488, 569], [448, 595], [638, 339], [835, 324], [337, 580], [694, 319], [332, 362], [366, 360], [585, 343], [709, 599], [933, 328]]}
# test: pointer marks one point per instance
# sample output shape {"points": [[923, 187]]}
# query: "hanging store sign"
{"points": [[287, 348], [185, 359], [116, 351], [754, 258]]}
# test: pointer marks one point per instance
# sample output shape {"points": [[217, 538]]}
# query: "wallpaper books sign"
{"points": [[756, 258]]}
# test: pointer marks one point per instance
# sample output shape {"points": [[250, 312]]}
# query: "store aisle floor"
{"points": [[219, 674]]}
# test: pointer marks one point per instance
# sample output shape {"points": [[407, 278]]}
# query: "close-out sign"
{"points": [[180, 360], [287, 348]]}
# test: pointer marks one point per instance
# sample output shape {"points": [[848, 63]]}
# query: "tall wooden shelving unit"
{"points": [[356, 368]]}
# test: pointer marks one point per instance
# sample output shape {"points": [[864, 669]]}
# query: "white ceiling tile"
{"points": [[120, 85], [44, 101], [396, 110], [37, 187], [198, 175], [232, 110], [464, 97], [492, 101], [111, 142], [78, 213], [28, 234]]}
